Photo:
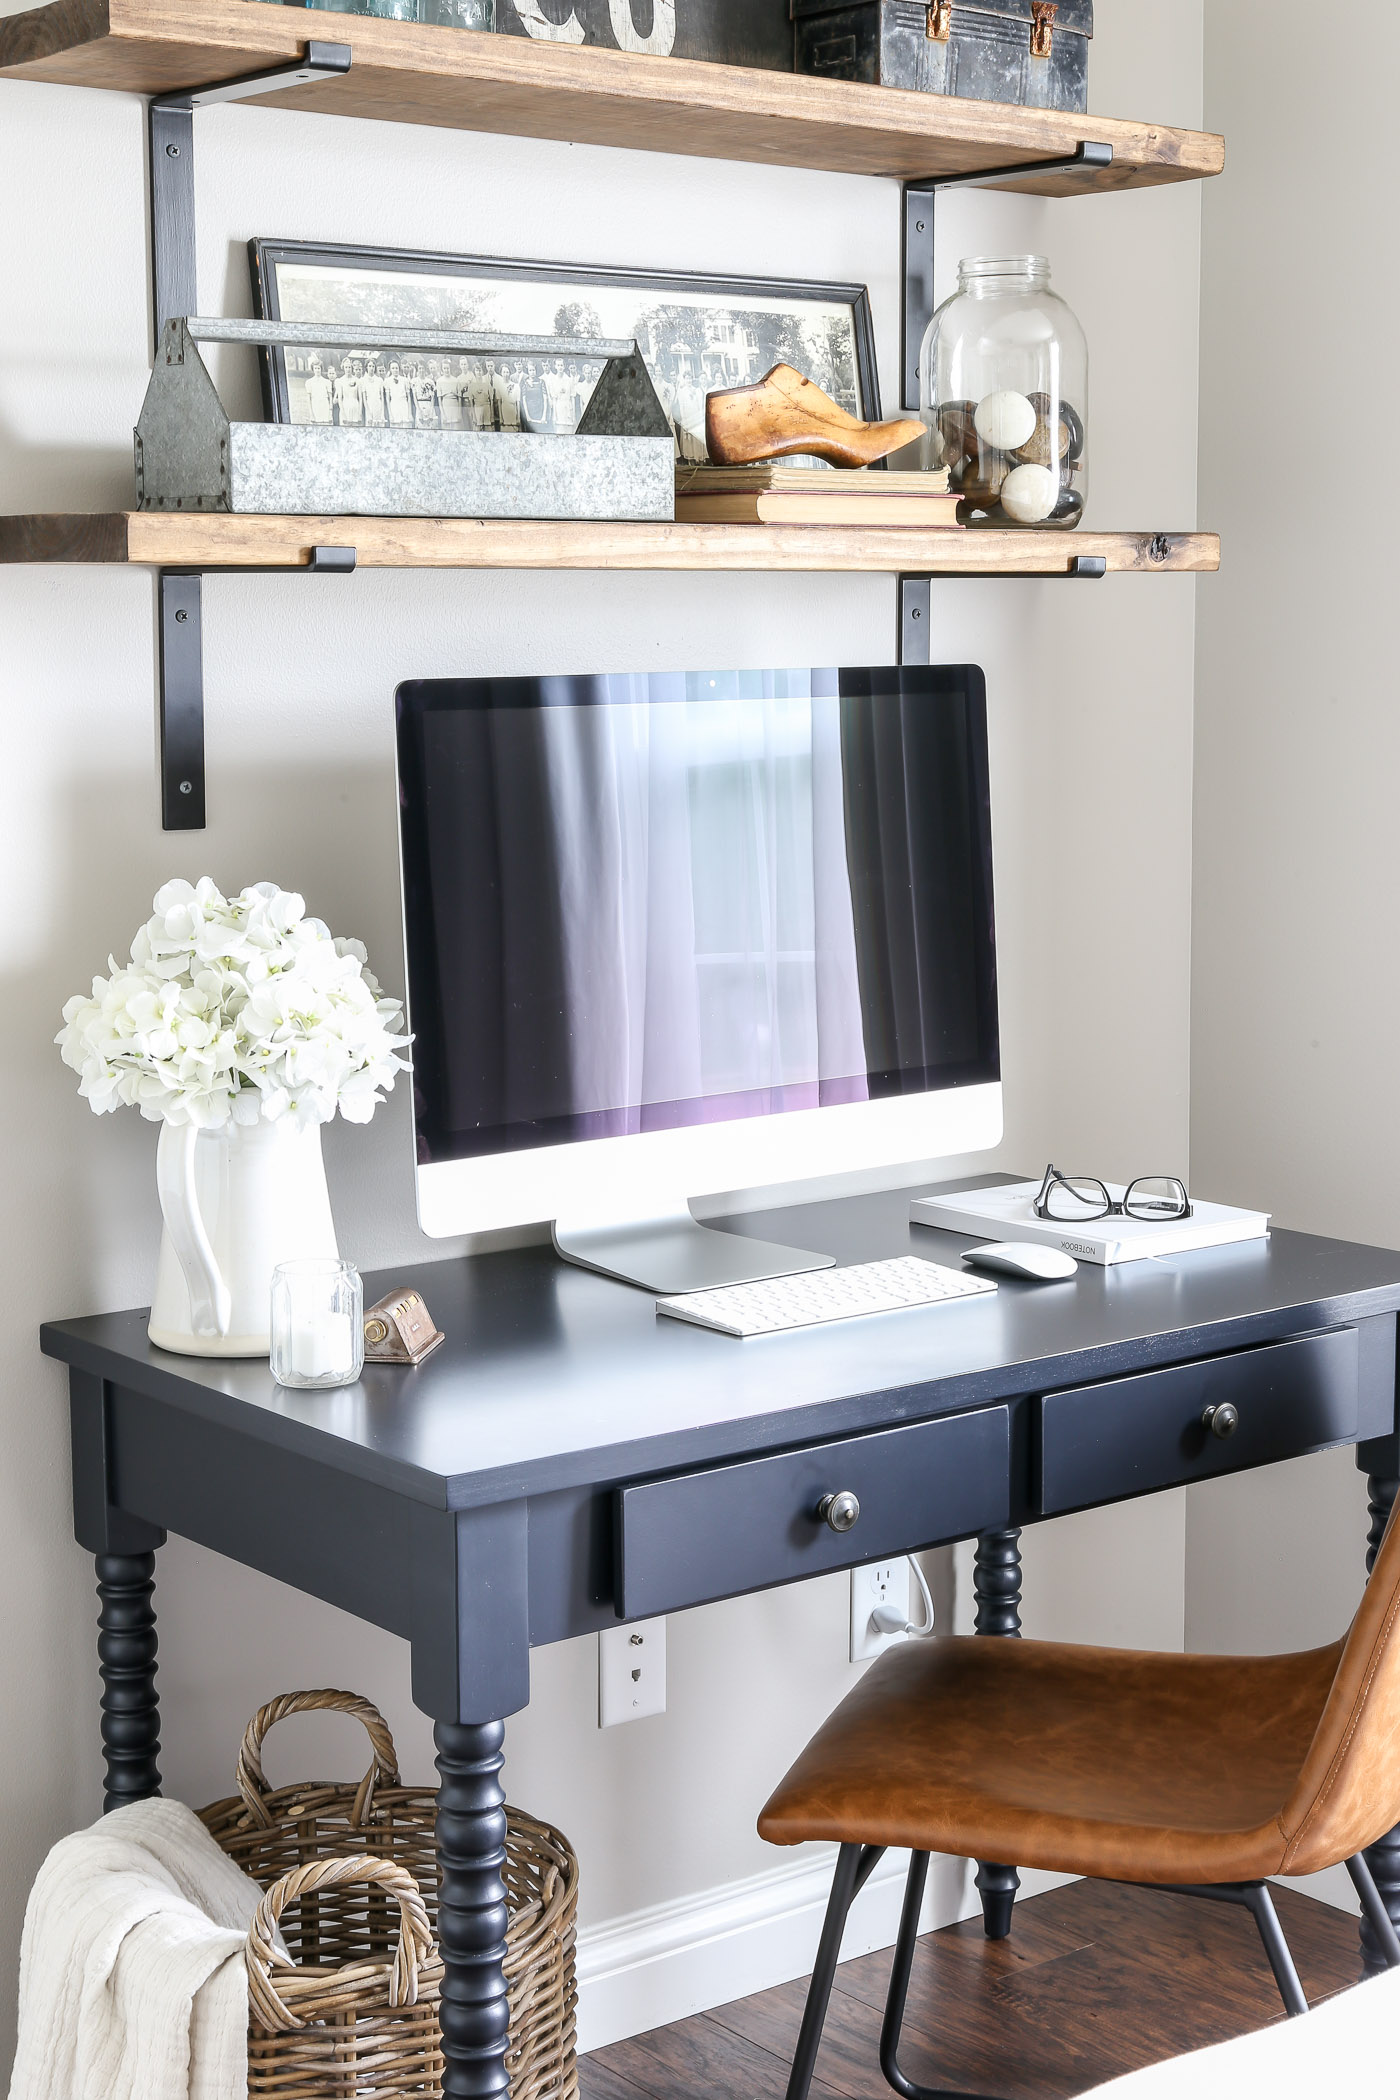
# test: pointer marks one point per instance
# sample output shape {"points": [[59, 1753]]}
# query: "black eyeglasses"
{"points": [[1075, 1198]]}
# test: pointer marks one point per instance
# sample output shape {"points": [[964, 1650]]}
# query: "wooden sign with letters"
{"points": [[730, 32]]}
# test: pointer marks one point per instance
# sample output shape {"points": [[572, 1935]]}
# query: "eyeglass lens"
{"points": [[1155, 1196], [1073, 1197]]}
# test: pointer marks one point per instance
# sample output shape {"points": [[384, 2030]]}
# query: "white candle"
{"points": [[323, 1346]]}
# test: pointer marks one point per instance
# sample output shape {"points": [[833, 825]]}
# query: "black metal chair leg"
{"points": [[853, 1869], [1261, 1904], [847, 1881], [1364, 1883], [1254, 1897], [899, 1992]]}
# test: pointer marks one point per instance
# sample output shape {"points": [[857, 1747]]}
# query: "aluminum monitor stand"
{"points": [[671, 1253]]}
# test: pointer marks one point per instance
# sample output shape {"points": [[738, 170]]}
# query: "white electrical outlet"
{"points": [[884, 1582], [631, 1672]]}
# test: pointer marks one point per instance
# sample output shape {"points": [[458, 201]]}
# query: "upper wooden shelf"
{"points": [[164, 539], [469, 80]]}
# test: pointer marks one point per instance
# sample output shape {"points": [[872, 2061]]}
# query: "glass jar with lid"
{"points": [[1004, 390], [453, 14]]}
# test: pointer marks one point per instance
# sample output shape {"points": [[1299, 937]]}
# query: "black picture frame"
{"points": [[758, 322]]}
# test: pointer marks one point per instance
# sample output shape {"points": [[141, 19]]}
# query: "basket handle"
{"points": [[383, 1771], [264, 1956]]}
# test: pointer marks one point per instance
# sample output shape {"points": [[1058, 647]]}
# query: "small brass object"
{"points": [[400, 1330], [940, 21]]}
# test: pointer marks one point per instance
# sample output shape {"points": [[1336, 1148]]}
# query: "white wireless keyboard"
{"points": [[826, 1294]]}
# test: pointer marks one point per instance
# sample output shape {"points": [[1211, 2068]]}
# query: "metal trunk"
{"points": [[1026, 51]]}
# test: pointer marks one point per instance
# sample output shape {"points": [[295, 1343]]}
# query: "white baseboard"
{"points": [[664, 1964]]}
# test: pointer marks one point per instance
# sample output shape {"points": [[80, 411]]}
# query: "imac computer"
{"points": [[670, 935]]}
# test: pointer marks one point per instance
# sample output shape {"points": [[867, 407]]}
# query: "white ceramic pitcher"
{"points": [[236, 1202]]}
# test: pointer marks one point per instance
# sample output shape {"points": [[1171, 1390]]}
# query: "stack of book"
{"points": [[773, 494], [1006, 1213]]}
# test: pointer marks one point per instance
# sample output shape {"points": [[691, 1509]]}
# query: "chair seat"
{"points": [[1110, 1762]]}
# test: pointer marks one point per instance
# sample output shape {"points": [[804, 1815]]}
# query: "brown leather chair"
{"points": [[1203, 1774]]}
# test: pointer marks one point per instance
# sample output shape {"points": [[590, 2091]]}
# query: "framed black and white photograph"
{"points": [[697, 334]]}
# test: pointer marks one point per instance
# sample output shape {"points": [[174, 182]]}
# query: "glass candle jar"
{"points": [[1004, 390], [392, 10], [318, 1323], [461, 14]]}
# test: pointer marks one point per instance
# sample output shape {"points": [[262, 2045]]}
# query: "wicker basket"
{"points": [[350, 1879]]}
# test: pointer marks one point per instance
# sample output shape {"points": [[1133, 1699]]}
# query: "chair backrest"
{"points": [[1348, 1792]]}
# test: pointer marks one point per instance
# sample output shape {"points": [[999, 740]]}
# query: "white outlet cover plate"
{"points": [[883, 1582], [631, 1672]]}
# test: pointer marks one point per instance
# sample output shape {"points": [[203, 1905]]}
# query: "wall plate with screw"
{"points": [[884, 1582], [631, 1672]]}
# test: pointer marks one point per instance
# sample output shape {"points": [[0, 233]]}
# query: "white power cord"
{"points": [[885, 1619]]}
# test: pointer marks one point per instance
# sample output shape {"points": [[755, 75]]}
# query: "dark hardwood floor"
{"points": [[1095, 1981]]}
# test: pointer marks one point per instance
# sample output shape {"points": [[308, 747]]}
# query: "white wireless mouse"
{"points": [[1023, 1258]]}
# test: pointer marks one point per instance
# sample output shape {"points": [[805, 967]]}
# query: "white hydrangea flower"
{"points": [[235, 1010]]}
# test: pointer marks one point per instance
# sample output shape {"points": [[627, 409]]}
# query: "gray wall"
{"points": [[1295, 996], [1092, 748]]}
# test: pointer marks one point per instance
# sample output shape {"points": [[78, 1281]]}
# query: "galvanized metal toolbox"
{"points": [[191, 457], [1034, 52], [731, 32]]}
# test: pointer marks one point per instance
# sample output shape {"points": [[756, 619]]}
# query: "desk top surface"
{"points": [[552, 1377]]}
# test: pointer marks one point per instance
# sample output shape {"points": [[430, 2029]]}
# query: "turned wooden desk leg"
{"points": [[471, 1850], [126, 1655], [996, 1585], [1383, 1857]]}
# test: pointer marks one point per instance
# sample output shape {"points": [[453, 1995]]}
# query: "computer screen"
{"points": [[649, 902]]}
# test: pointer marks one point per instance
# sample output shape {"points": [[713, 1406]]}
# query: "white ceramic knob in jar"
{"points": [[1029, 494], [1005, 420]]}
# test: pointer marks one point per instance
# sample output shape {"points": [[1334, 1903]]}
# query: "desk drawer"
{"points": [[1129, 1435], [747, 1526]]}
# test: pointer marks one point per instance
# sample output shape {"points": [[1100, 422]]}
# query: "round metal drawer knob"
{"points": [[841, 1512], [1222, 1420]]}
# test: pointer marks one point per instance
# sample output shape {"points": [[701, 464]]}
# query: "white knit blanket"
{"points": [[1346, 2045], [132, 1979]]}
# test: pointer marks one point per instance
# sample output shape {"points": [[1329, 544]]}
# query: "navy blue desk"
{"points": [[567, 1458]]}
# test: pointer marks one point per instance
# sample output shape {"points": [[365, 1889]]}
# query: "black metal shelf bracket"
{"points": [[174, 294], [915, 614], [180, 638], [917, 309], [918, 243], [180, 643], [916, 600], [170, 171]]}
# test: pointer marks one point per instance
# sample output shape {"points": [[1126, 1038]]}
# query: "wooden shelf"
{"points": [[166, 540], [473, 81]]}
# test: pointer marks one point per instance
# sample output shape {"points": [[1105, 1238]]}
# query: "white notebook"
{"points": [[1005, 1214]]}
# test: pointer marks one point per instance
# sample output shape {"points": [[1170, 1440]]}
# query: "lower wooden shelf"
{"points": [[173, 540]]}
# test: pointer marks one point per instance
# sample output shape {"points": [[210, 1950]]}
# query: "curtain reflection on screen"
{"points": [[640, 902]]}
